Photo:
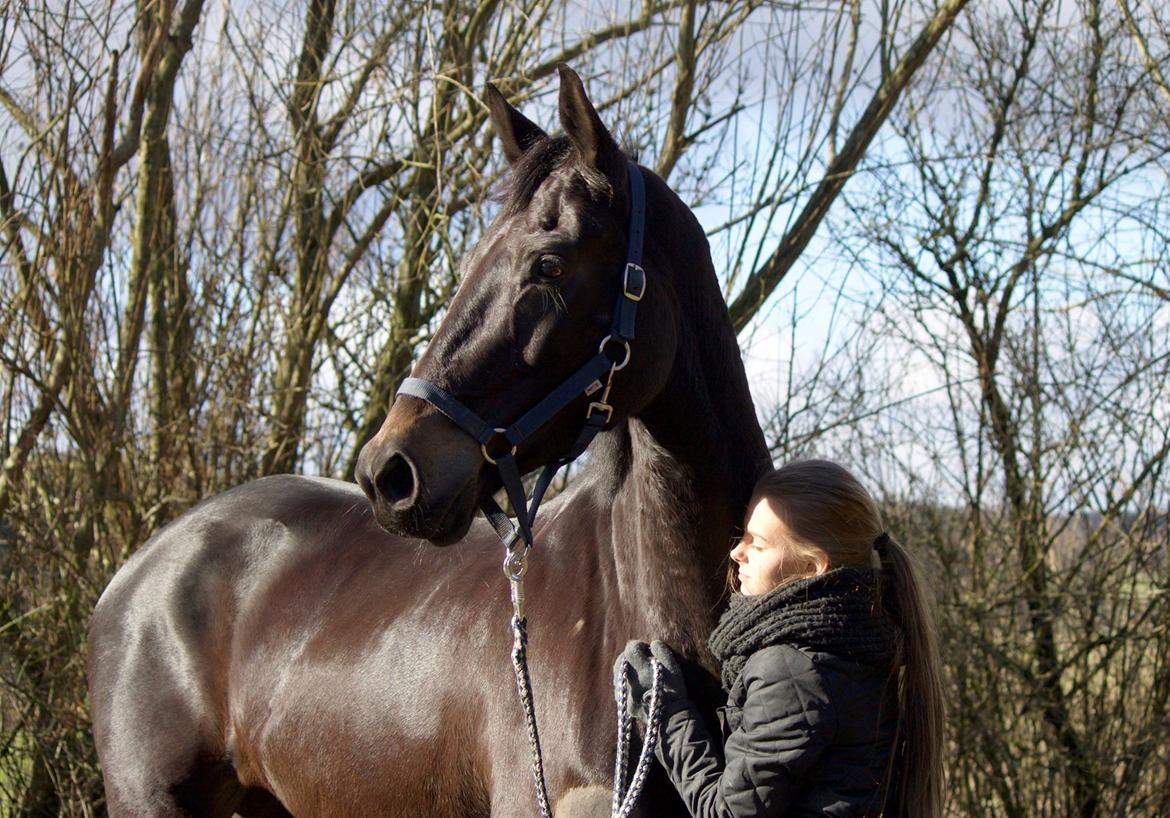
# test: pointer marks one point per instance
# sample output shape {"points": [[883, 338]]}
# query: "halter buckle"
{"points": [[639, 282], [600, 407], [483, 447]]}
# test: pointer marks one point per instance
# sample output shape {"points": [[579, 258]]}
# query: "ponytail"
{"points": [[918, 743]]}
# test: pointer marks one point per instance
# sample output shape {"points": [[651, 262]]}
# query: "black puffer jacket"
{"points": [[806, 731]]}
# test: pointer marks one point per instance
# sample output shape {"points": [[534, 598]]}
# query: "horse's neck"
{"points": [[671, 528], [682, 472]]}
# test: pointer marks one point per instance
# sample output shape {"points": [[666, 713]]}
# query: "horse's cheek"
{"points": [[534, 323]]}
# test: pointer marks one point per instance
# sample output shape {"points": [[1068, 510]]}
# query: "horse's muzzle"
{"points": [[420, 473]]}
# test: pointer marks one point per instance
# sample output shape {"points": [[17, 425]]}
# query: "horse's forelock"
{"points": [[540, 161], [527, 174]]}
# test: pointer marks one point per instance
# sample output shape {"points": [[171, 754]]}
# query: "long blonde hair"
{"points": [[826, 508]]}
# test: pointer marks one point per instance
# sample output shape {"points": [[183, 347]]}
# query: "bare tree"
{"points": [[76, 139], [227, 231], [1017, 229]]}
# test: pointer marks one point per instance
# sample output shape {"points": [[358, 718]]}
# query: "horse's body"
{"points": [[275, 651]]}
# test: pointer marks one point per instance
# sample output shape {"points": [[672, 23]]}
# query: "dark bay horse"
{"points": [[276, 651]]}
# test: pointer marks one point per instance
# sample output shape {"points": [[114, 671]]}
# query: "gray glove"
{"points": [[640, 676], [674, 686]]}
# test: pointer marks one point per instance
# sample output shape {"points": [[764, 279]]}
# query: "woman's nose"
{"points": [[737, 552]]}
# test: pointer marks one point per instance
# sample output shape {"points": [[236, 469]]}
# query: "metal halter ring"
{"points": [[516, 564], [626, 344], [483, 448]]}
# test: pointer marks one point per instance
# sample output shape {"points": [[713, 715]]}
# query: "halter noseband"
{"points": [[586, 380]]}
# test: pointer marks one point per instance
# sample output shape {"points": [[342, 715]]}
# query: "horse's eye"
{"points": [[551, 267]]}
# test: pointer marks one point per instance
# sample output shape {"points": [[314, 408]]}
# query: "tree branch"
{"points": [[680, 103], [764, 280]]}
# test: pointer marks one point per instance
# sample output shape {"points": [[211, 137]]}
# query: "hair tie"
{"points": [[882, 541]]}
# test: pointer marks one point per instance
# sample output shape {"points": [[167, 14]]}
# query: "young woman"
{"points": [[834, 703]]}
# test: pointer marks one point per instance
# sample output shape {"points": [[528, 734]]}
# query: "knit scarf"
{"points": [[834, 613]]}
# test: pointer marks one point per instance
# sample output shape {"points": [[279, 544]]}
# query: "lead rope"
{"points": [[585, 381], [515, 567], [622, 803]]}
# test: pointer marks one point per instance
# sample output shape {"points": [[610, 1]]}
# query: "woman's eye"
{"points": [[551, 267]]}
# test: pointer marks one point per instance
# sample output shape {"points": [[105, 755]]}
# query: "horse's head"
{"points": [[536, 300]]}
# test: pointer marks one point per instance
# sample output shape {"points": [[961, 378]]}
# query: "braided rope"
{"points": [[622, 804], [622, 754], [524, 687], [653, 723]]}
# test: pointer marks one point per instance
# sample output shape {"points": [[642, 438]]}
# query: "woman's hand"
{"points": [[674, 686], [640, 675], [633, 668]]}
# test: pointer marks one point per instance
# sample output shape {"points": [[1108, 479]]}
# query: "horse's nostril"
{"points": [[367, 485], [396, 481]]}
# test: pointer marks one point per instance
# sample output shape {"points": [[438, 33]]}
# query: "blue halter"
{"points": [[586, 380]]}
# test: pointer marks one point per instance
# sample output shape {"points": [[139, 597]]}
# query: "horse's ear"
{"points": [[582, 125], [517, 132]]}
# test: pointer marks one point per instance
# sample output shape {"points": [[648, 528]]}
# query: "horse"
{"points": [[311, 647]]}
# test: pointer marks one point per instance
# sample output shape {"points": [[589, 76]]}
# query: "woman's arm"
{"points": [[787, 723]]}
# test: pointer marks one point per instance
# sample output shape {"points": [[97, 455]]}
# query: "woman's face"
{"points": [[767, 555]]}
